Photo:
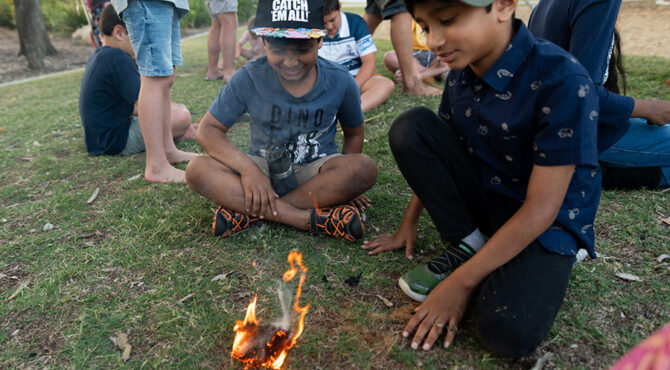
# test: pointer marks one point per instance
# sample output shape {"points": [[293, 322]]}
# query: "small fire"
{"points": [[267, 345]]}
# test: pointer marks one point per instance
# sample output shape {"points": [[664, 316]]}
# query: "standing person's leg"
{"points": [[154, 33], [227, 37], [515, 307], [401, 39], [213, 44], [372, 16]]}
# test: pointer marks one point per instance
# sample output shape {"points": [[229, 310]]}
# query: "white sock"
{"points": [[475, 240]]}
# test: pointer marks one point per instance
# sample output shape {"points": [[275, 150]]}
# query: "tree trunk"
{"points": [[33, 37]]}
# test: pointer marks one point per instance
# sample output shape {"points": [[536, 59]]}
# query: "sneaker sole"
{"points": [[406, 289]]}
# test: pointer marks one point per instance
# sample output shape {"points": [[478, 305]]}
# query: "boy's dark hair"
{"points": [[615, 68], [409, 4], [330, 6], [109, 19]]}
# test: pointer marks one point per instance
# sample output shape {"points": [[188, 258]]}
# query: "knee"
{"points": [[183, 116], [195, 171], [508, 335], [390, 60], [363, 172], [405, 129]]}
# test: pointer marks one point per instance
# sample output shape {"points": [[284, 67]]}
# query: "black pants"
{"points": [[515, 306]]}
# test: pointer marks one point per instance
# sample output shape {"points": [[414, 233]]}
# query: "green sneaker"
{"points": [[418, 283]]}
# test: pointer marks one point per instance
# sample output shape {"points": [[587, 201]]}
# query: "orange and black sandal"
{"points": [[227, 222], [342, 222]]}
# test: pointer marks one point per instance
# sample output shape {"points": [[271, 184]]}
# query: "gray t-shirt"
{"points": [[307, 125]]}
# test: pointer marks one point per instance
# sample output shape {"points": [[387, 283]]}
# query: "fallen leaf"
{"points": [[386, 301], [2, 129], [48, 226], [121, 341], [112, 269], [665, 220], [19, 290], [93, 196], [3, 220], [36, 143], [625, 276], [353, 280], [2, 275], [126, 353], [15, 332], [189, 296], [662, 257], [221, 276], [135, 177], [542, 361]]}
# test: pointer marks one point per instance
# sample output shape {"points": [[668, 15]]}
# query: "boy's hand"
{"points": [[444, 307], [259, 197], [361, 202], [404, 237]]}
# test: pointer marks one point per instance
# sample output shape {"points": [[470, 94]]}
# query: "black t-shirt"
{"points": [[109, 88]]}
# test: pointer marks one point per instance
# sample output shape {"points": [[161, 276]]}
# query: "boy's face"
{"points": [[463, 35], [123, 40], [293, 60], [332, 21]]}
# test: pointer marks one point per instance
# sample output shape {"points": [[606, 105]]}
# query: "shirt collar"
{"points": [[344, 26], [504, 69]]}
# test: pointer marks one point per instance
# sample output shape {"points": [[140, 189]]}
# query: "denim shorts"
{"points": [[215, 7], [153, 27]]}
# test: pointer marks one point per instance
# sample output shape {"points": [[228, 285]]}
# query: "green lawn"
{"points": [[123, 262]]}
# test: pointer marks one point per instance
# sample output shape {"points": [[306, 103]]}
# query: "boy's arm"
{"points": [[446, 304], [405, 236], [367, 68], [258, 193], [353, 139]]}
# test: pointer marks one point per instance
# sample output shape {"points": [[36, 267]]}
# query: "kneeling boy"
{"points": [[294, 99], [350, 44]]}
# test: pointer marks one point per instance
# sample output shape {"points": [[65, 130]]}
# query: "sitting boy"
{"points": [[255, 49], [108, 97], [350, 44], [508, 172], [294, 99]]}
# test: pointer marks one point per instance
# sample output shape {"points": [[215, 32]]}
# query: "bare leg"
{"points": [[340, 179], [374, 91], [228, 22], [401, 38], [373, 21], [154, 116], [180, 121], [391, 63], [213, 50]]}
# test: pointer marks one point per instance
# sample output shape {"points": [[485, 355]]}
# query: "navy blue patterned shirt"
{"points": [[535, 106]]}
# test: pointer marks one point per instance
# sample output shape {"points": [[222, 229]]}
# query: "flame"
{"points": [[272, 353]]}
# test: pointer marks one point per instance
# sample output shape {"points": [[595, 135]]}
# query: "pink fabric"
{"points": [[651, 354]]}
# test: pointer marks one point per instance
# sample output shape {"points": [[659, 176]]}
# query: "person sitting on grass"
{"points": [[255, 49], [108, 97], [350, 44], [507, 169], [295, 99], [426, 63]]}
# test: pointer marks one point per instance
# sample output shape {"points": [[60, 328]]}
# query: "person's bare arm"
{"points": [[405, 236], [445, 305], [655, 111], [367, 68], [258, 193], [353, 139]]}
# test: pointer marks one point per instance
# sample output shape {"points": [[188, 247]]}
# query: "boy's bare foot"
{"points": [[419, 88], [180, 156], [190, 132], [165, 175]]}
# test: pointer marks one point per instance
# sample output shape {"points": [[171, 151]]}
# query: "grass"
{"points": [[123, 262]]}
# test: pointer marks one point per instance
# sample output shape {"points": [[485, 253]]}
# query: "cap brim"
{"points": [[289, 33]]}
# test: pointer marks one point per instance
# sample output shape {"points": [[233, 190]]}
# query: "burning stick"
{"points": [[267, 345]]}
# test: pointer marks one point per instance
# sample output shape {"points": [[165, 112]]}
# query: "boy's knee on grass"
{"points": [[506, 335]]}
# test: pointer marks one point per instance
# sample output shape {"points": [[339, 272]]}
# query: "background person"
{"points": [[221, 39], [108, 97]]}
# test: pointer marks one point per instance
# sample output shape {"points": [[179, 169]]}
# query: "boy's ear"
{"points": [[504, 9], [119, 31], [319, 43]]}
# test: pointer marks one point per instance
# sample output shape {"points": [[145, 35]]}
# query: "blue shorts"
{"points": [[153, 27]]}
